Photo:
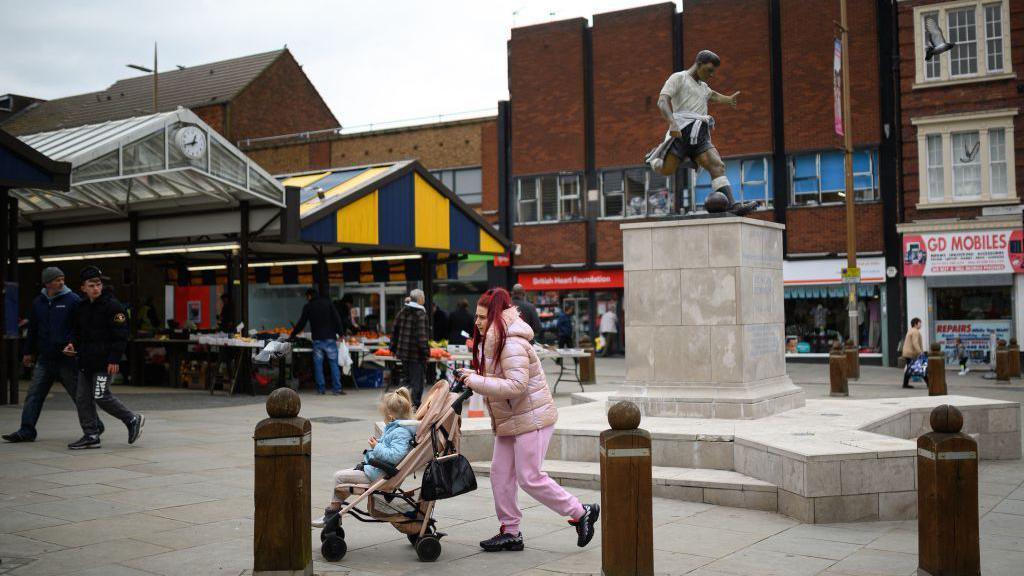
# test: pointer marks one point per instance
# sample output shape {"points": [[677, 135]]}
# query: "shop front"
{"points": [[585, 295], [964, 281], [817, 312]]}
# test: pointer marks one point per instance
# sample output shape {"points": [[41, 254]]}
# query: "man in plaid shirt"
{"points": [[409, 342]]}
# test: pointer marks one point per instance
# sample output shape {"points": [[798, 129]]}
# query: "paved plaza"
{"points": [[180, 501]]}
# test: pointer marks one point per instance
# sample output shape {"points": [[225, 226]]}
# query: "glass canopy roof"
{"points": [[150, 163]]}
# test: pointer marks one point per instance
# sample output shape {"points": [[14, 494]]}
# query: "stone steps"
{"points": [[721, 487]]}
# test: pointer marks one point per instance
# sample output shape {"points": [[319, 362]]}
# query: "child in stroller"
{"points": [[436, 438], [394, 443]]}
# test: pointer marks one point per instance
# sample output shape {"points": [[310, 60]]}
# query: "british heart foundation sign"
{"points": [[975, 252], [587, 280]]}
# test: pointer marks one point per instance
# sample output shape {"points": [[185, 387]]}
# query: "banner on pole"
{"points": [[837, 85]]}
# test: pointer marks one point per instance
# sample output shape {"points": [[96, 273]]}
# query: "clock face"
{"points": [[191, 141]]}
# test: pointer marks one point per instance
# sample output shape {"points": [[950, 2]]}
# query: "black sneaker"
{"points": [[16, 437], [585, 524], [503, 541], [743, 208], [85, 442], [339, 392], [135, 428]]}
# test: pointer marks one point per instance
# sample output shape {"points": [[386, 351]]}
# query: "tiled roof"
{"points": [[201, 85]]}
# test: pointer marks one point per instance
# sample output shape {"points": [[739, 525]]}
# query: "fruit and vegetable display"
{"points": [[439, 353], [383, 352]]}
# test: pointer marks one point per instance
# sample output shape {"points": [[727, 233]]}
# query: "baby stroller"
{"points": [[386, 501]]}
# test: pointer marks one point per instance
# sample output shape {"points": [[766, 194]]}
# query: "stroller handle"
{"points": [[457, 404]]}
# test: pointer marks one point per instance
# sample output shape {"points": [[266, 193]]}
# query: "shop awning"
{"points": [[159, 161], [398, 206]]}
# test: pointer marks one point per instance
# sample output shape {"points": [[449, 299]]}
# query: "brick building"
{"points": [[583, 111], [248, 97], [962, 143]]}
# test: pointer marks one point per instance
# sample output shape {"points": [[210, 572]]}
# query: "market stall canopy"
{"points": [[398, 206], [161, 161], [22, 165]]}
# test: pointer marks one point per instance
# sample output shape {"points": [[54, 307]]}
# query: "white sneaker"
{"points": [[961, 373], [966, 370]]}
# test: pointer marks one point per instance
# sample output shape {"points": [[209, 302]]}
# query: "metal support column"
{"points": [[243, 293], [323, 282], [6, 358], [429, 271], [134, 351]]}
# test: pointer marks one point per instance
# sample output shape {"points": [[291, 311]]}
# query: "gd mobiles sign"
{"points": [[948, 253]]}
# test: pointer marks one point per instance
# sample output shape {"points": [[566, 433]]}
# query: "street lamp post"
{"points": [[851, 229]]}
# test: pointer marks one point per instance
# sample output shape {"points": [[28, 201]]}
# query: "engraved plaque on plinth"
{"points": [[704, 318]]}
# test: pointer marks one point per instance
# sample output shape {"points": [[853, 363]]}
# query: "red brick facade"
{"points": [[929, 101], [281, 100], [553, 244]]}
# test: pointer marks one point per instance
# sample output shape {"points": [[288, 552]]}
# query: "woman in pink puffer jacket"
{"points": [[508, 373]]}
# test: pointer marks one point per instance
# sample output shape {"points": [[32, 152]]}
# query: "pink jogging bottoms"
{"points": [[516, 463]]}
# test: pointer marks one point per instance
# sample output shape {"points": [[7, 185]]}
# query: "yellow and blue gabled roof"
{"points": [[398, 206]]}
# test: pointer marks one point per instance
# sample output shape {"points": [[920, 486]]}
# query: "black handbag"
{"points": [[448, 475]]}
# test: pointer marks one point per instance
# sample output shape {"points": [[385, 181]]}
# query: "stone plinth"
{"points": [[704, 319]]}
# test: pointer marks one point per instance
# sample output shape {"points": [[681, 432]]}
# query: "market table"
{"points": [[176, 349], [560, 355]]}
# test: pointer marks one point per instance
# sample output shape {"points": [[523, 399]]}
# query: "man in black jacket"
{"points": [[526, 309], [460, 321], [99, 335], [325, 325]]}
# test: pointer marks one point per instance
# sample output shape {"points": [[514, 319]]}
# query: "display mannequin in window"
{"points": [[684, 105]]}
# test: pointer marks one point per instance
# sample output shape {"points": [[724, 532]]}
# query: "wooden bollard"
{"points": [[837, 366], [936, 371], [1002, 362], [627, 522], [1014, 357], [947, 498], [852, 361], [281, 537]]}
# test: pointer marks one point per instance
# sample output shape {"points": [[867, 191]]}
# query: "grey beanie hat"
{"points": [[50, 273]]}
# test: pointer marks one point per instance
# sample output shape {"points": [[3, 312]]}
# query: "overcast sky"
{"points": [[372, 61]]}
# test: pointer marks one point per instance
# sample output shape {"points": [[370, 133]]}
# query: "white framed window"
{"points": [[965, 158], [636, 193], [548, 198], [820, 177], [979, 30], [750, 179]]}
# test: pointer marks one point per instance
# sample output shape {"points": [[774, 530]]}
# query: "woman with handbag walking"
{"points": [[508, 373]]}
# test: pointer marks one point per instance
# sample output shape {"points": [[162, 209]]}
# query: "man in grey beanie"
{"points": [[49, 331]]}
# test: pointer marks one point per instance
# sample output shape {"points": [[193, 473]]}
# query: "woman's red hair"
{"points": [[496, 300]]}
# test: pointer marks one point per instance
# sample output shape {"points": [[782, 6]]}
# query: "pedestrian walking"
{"points": [[49, 331], [609, 330], [526, 309], [440, 323], [508, 373], [961, 356], [409, 342], [913, 348], [460, 323], [326, 327], [99, 334], [563, 324]]}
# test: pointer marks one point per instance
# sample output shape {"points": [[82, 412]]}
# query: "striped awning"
{"points": [[398, 206]]}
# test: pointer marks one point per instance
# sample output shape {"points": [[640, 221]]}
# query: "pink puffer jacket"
{"points": [[516, 389]]}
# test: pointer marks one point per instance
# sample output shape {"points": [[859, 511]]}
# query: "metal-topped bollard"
{"points": [[852, 361], [281, 538], [627, 521], [1002, 362], [947, 498], [837, 367], [1014, 358], [936, 371]]}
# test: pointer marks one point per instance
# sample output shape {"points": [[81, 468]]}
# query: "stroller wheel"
{"points": [[412, 538], [333, 549], [428, 548], [325, 533]]}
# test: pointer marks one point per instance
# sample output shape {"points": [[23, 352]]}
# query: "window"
{"points": [[963, 58], [966, 166], [935, 177], [467, 183], [977, 30], [820, 178], [6, 103], [636, 192], [549, 198], [966, 158], [749, 178]]}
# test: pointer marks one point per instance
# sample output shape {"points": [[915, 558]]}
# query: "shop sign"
{"points": [[586, 280], [832, 271], [975, 335], [974, 252], [502, 260]]}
